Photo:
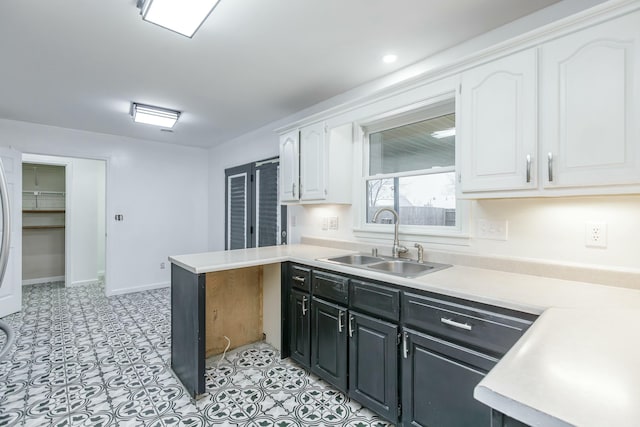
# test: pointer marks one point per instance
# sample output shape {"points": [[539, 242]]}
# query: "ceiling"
{"points": [[79, 63]]}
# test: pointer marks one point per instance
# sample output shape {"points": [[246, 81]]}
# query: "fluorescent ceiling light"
{"points": [[182, 16], [154, 115], [388, 59], [444, 133]]}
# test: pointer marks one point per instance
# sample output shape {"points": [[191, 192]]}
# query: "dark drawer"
{"points": [[375, 299], [300, 277], [491, 332], [331, 286]]}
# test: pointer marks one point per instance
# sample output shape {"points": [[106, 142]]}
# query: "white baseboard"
{"points": [[84, 282], [42, 280], [151, 286]]}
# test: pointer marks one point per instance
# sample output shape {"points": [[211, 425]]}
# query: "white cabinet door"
{"points": [[313, 161], [498, 125], [589, 106], [289, 167]]}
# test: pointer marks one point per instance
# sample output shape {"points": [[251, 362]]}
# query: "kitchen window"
{"points": [[409, 165]]}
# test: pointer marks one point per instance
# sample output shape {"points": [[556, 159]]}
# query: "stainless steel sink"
{"points": [[397, 267], [355, 259], [406, 268]]}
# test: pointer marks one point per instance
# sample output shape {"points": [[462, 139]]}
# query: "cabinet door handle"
{"points": [[528, 168], [298, 279], [304, 306], [405, 346], [450, 322], [350, 326], [550, 165], [340, 325], [293, 189]]}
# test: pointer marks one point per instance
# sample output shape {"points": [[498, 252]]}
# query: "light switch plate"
{"points": [[494, 230]]}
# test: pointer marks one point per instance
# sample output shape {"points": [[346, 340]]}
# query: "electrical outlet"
{"points": [[333, 223], [325, 223], [162, 266], [595, 235], [494, 230]]}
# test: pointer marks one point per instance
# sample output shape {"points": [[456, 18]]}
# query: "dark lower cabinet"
{"points": [[329, 342], [500, 420], [373, 364], [438, 379], [300, 327]]}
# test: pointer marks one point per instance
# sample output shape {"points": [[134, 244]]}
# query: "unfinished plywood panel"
{"points": [[233, 308]]}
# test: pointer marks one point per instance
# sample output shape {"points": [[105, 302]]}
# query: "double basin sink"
{"points": [[395, 266]]}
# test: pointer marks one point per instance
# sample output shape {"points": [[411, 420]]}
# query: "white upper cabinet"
{"points": [[498, 125], [589, 112], [316, 164], [289, 167], [313, 159]]}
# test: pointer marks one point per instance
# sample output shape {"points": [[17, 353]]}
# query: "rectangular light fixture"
{"points": [[154, 115], [182, 16], [444, 133]]}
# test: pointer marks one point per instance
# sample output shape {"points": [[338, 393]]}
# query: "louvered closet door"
{"points": [[267, 209], [238, 207]]}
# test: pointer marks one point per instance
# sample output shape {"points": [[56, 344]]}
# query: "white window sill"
{"points": [[444, 237]]}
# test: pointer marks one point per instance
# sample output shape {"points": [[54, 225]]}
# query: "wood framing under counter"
{"points": [[242, 304]]}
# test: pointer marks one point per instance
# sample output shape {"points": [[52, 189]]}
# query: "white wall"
{"points": [[160, 189]]}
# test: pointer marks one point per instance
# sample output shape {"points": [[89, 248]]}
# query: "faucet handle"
{"points": [[420, 252]]}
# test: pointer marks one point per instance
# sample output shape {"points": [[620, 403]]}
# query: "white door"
{"points": [[498, 124], [589, 106], [289, 167], [313, 158], [11, 288]]}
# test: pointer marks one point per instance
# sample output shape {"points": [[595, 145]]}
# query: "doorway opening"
{"points": [[63, 220]]}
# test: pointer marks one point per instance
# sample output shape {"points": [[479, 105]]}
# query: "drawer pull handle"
{"points": [[340, 325], [350, 325], [465, 326], [528, 168], [298, 279], [304, 306], [405, 347], [550, 166]]}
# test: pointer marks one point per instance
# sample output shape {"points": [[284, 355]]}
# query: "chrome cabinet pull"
{"points": [[293, 189], [304, 308], [528, 167], [550, 165], [298, 279], [450, 322], [350, 326], [405, 346], [340, 325]]}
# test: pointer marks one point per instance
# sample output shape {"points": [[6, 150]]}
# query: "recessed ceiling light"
{"points": [[156, 116], [182, 16], [388, 59]]}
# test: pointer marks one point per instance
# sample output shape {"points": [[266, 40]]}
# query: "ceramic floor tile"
{"points": [[83, 359]]}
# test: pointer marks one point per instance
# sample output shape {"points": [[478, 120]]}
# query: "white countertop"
{"points": [[579, 364]]}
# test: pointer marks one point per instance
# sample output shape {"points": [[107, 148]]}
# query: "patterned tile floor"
{"points": [[82, 359]]}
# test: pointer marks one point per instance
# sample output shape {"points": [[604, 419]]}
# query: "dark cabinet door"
{"points": [[329, 343], [438, 379], [500, 420], [373, 364], [299, 327]]}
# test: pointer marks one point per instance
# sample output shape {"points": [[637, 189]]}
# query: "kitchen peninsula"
{"points": [[574, 366]]}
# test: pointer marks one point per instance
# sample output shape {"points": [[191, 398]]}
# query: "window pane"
{"points": [[416, 146], [428, 199], [420, 200], [380, 193]]}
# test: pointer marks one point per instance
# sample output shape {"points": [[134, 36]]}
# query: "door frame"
{"points": [[34, 157]]}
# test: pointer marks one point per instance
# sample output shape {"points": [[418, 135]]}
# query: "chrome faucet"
{"points": [[397, 249]]}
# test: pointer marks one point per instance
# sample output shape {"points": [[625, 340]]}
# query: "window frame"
{"points": [[424, 110]]}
